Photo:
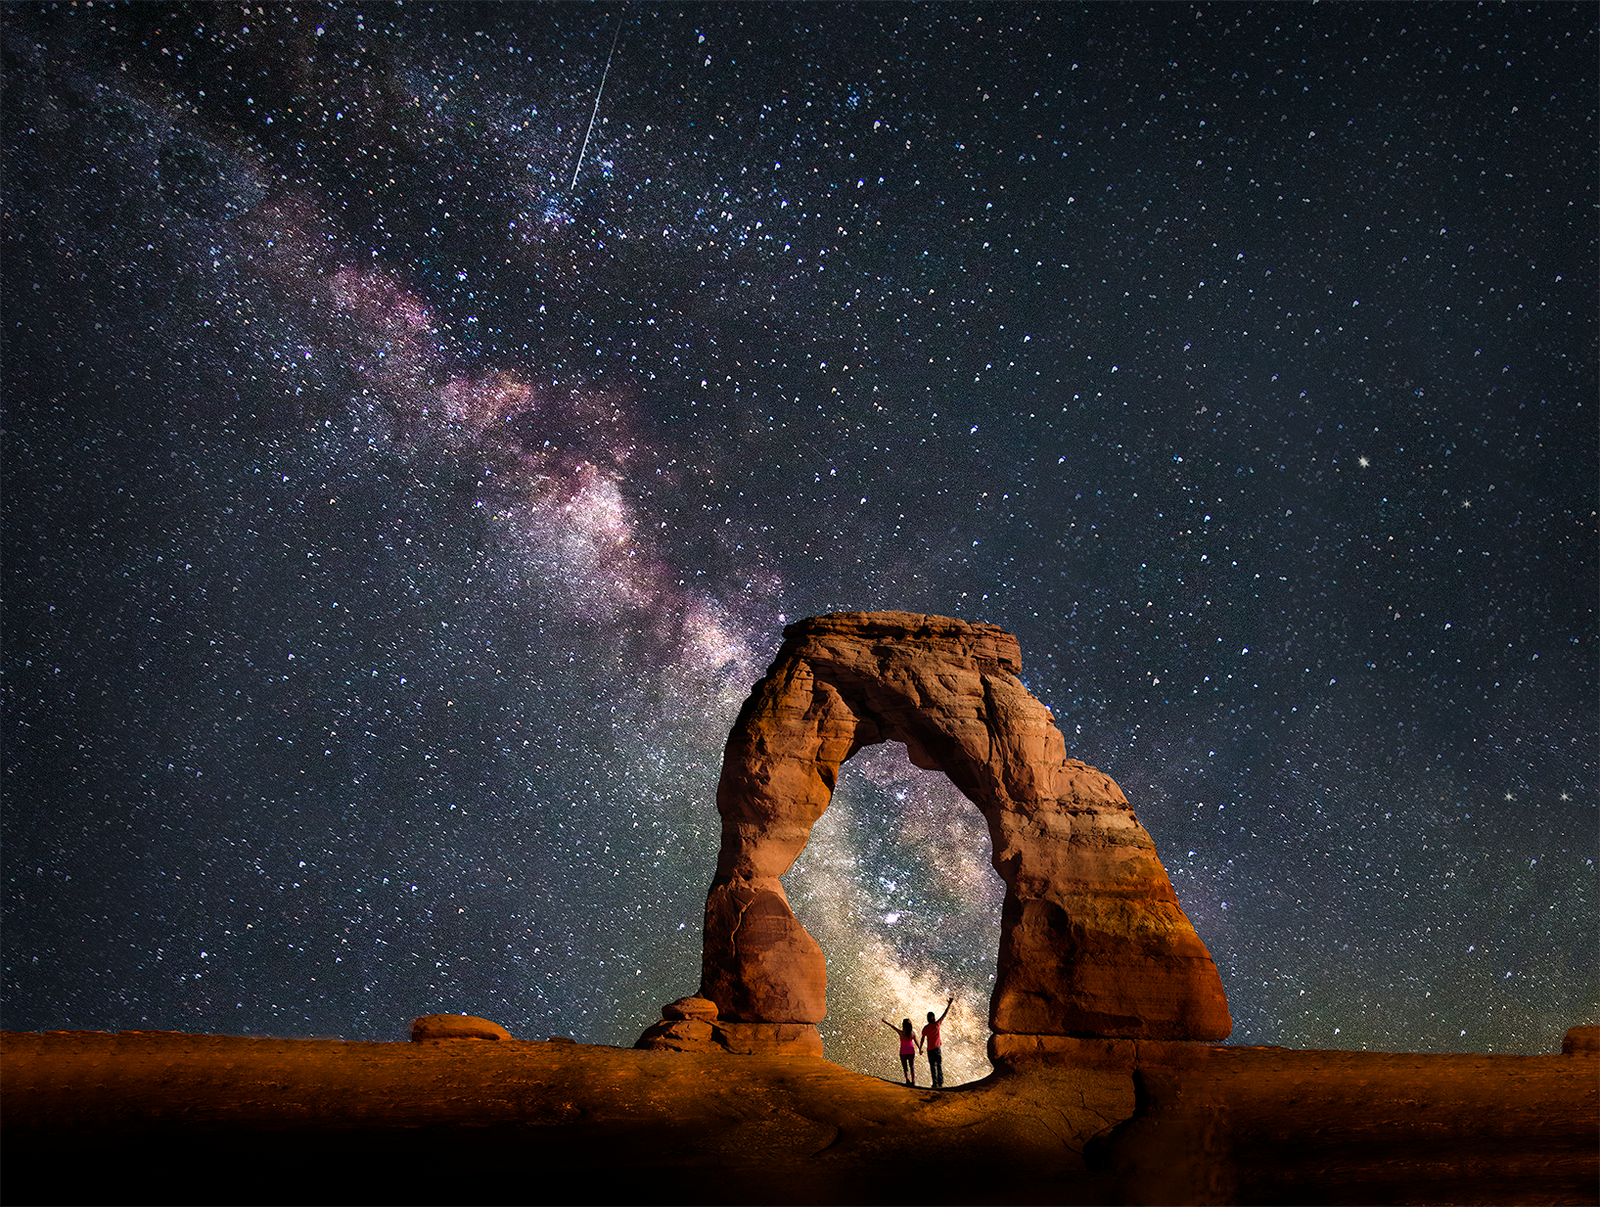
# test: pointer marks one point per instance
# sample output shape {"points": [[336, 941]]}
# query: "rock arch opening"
{"points": [[1093, 942], [896, 885]]}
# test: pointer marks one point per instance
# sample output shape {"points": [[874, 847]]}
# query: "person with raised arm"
{"points": [[931, 1038]]}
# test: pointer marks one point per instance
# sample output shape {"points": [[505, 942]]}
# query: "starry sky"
{"points": [[422, 420]]}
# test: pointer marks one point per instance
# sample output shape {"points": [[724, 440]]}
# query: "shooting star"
{"points": [[593, 113]]}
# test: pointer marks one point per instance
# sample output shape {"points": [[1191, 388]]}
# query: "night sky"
{"points": [[406, 480]]}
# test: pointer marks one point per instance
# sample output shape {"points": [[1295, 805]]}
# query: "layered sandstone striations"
{"points": [[1093, 940], [691, 1024]]}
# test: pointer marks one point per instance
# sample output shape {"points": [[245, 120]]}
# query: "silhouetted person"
{"points": [[930, 1037], [909, 1047]]}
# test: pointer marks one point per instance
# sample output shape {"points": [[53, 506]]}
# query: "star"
{"points": [[1363, 462]]}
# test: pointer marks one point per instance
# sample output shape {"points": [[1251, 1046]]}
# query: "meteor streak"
{"points": [[593, 113]]}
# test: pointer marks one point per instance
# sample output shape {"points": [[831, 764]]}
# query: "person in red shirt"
{"points": [[930, 1038]]}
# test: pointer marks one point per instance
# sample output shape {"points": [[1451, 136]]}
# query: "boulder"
{"points": [[1093, 940], [1581, 1041], [686, 1025], [679, 1035], [690, 1024], [691, 1007], [455, 1026]]}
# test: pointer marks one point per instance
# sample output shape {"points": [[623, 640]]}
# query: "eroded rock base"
{"points": [[1066, 1051], [740, 1039], [691, 1024]]}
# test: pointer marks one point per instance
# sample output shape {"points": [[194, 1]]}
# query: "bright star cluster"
{"points": [[406, 480]]}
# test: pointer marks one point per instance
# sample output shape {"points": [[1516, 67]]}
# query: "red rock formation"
{"points": [[1581, 1041], [691, 1024], [455, 1026], [1093, 941]]}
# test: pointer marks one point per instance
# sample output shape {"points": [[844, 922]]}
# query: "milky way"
{"points": [[405, 483]]}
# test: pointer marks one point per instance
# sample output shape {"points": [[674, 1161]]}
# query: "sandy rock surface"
{"points": [[162, 1117]]}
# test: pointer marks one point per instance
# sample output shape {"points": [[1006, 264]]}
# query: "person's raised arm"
{"points": [[948, 1003], [890, 1025]]}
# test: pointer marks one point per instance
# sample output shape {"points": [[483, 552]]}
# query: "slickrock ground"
{"points": [[1275, 1125], [202, 1118], [164, 1117]]}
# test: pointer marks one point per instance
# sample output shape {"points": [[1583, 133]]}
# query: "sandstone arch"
{"points": [[1093, 940]]}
